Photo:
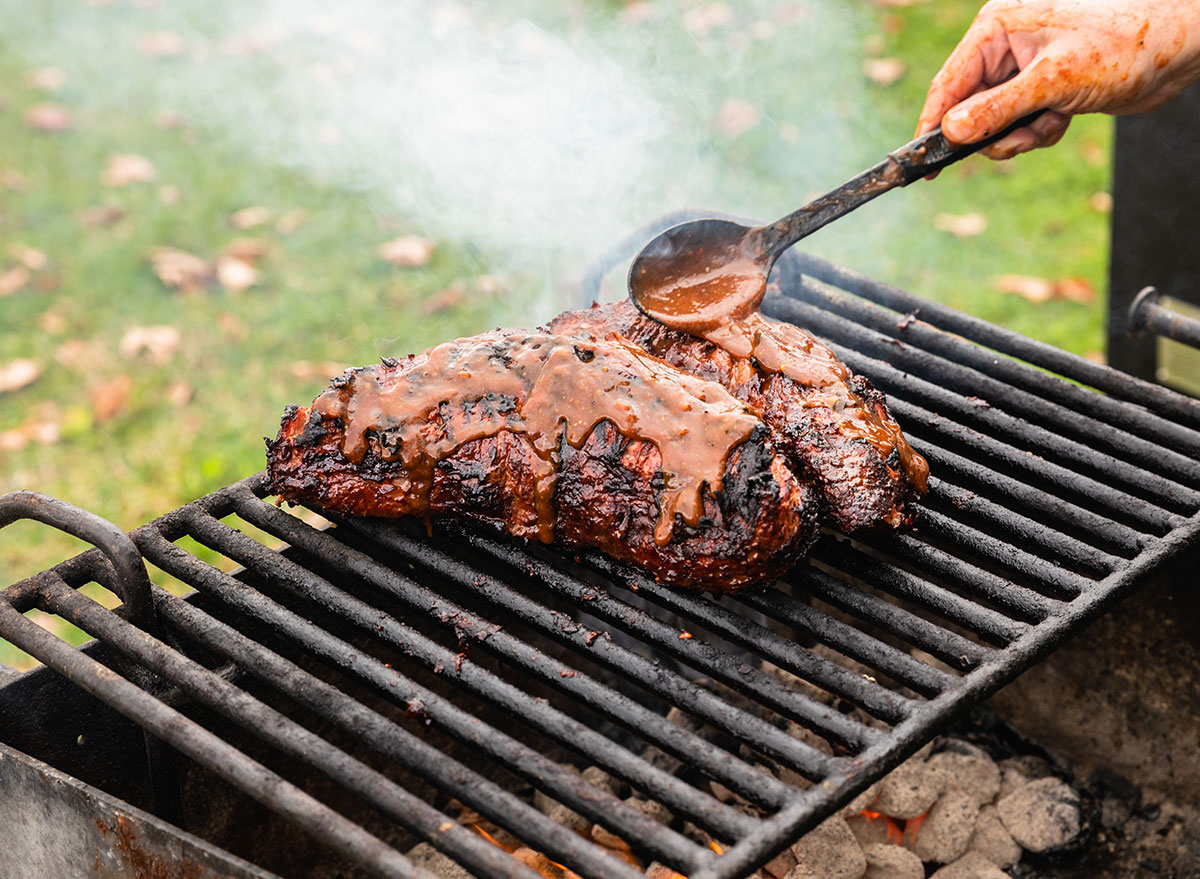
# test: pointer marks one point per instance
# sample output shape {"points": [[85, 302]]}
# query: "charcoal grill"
{"points": [[1057, 487]]}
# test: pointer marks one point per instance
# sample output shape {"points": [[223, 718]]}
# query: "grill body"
{"points": [[371, 675]]}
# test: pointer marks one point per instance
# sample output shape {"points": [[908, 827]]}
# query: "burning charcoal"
{"points": [[541, 864], [977, 774], [428, 858], [597, 777], [871, 829], [860, 802], [564, 815], [910, 789], [972, 865], [1042, 815], [651, 808], [946, 830], [993, 841], [828, 851], [892, 862]]}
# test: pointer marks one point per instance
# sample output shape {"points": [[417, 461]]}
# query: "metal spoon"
{"points": [[699, 274]]}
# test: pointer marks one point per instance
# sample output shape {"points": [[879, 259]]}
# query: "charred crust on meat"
{"points": [[314, 431], [585, 355], [389, 362]]}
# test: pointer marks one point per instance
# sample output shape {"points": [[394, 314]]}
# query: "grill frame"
{"points": [[970, 543]]}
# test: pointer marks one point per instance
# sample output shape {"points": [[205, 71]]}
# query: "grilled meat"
{"points": [[833, 426], [584, 442]]}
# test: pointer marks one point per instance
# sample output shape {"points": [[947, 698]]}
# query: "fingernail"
{"points": [[957, 116]]}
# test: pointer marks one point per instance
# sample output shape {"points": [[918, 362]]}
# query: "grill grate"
{"points": [[1050, 499]]}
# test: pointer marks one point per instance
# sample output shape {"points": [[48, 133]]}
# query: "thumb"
{"points": [[987, 112]]}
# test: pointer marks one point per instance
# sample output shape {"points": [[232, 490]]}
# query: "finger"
{"points": [[1044, 131], [987, 112], [980, 59]]}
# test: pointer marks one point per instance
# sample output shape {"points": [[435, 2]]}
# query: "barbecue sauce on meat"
{"points": [[549, 388], [721, 304]]}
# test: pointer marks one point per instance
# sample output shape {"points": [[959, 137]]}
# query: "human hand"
{"points": [[1063, 56]]}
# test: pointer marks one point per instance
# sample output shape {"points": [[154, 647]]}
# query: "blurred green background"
{"points": [[166, 288]]}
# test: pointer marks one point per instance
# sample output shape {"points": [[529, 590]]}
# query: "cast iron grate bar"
{"points": [[1033, 501]]}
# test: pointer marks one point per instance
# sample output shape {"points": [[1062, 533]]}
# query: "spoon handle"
{"points": [[928, 154]]}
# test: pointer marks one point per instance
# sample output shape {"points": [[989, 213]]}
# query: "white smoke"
{"points": [[537, 132]]}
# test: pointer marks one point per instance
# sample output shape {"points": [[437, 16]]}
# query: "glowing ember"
{"points": [[895, 830]]}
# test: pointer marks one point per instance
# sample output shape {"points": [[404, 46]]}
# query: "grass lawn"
{"points": [[148, 395]]}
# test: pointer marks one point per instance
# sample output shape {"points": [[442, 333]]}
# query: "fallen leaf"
{"points": [[49, 117], [249, 218], [180, 393], [110, 397], [232, 326], [235, 274], [51, 322], [158, 342], [291, 221], [41, 427], [306, 370], [30, 257], [407, 251], [1096, 357], [444, 300], [12, 180], [874, 45], [101, 215], [13, 280], [1039, 290], [162, 44], [1093, 154], [899, 3], [16, 374], [180, 270], [735, 117], [247, 249], [127, 168], [961, 225], [884, 71], [46, 79], [168, 194], [78, 355], [1101, 202], [702, 20]]}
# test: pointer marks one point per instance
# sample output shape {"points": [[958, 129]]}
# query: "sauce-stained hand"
{"points": [[1063, 56]]}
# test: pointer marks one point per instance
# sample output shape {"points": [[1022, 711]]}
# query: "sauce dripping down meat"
{"points": [[549, 388], [716, 295]]}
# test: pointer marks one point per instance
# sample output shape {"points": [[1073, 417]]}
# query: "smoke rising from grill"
{"points": [[537, 132]]}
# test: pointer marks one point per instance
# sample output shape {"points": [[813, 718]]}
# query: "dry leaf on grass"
{"points": [[180, 270], [127, 168], [30, 257], [961, 225], [250, 218], [444, 300], [180, 393], [162, 44], [41, 427], [1101, 202], [158, 342], [101, 215], [884, 71], [51, 322], [249, 250], [16, 374], [13, 280], [232, 326], [46, 79], [49, 117], [736, 117], [407, 251], [13, 180], [1039, 290], [110, 397], [900, 3], [235, 274]]}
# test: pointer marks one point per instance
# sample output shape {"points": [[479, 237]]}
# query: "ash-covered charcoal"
{"points": [[1043, 816]]}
